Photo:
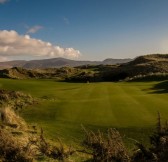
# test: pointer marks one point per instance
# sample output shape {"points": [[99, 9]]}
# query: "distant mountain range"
{"points": [[58, 62]]}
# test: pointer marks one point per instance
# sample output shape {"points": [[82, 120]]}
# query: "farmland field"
{"points": [[130, 107]]}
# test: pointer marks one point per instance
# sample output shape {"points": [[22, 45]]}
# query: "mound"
{"points": [[143, 65], [9, 117], [149, 58], [20, 73], [16, 99]]}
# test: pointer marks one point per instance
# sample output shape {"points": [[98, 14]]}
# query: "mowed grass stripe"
{"points": [[150, 101], [126, 107], [154, 104], [88, 105], [137, 109], [71, 108], [98, 106]]}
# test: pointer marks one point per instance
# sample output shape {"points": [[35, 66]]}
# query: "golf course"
{"points": [[62, 107]]}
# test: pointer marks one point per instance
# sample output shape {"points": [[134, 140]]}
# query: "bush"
{"points": [[16, 99], [53, 151], [11, 150], [106, 147], [158, 152]]}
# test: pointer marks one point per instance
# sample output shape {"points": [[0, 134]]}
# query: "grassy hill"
{"points": [[54, 73], [143, 66]]}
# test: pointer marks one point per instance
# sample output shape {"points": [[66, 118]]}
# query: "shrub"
{"points": [[16, 99], [53, 151], [11, 150], [158, 152], [106, 147]]}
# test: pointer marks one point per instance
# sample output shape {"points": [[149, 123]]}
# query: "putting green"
{"points": [[131, 107]]}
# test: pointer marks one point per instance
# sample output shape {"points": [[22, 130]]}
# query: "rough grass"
{"points": [[129, 107], [9, 117], [23, 143]]}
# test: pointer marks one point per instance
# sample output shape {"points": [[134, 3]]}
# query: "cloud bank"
{"points": [[13, 44]]}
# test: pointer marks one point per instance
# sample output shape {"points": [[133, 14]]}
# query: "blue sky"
{"points": [[82, 29]]}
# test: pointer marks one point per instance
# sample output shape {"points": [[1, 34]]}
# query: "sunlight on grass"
{"points": [[63, 107]]}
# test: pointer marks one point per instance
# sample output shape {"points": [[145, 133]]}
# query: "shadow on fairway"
{"points": [[161, 87]]}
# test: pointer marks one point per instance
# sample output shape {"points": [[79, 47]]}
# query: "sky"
{"points": [[82, 29]]}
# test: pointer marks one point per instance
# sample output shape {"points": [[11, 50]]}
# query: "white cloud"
{"points": [[34, 29], [13, 44], [3, 1]]}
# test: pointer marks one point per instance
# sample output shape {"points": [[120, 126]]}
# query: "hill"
{"points": [[143, 66], [54, 73], [56, 62], [9, 64]]}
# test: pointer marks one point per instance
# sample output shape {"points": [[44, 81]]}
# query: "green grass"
{"points": [[130, 107]]}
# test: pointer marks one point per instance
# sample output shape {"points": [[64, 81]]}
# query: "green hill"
{"points": [[155, 65], [54, 73], [143, 66]]}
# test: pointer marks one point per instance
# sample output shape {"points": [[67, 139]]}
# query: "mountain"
{"points": [[57, 63], [9, 64]]}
